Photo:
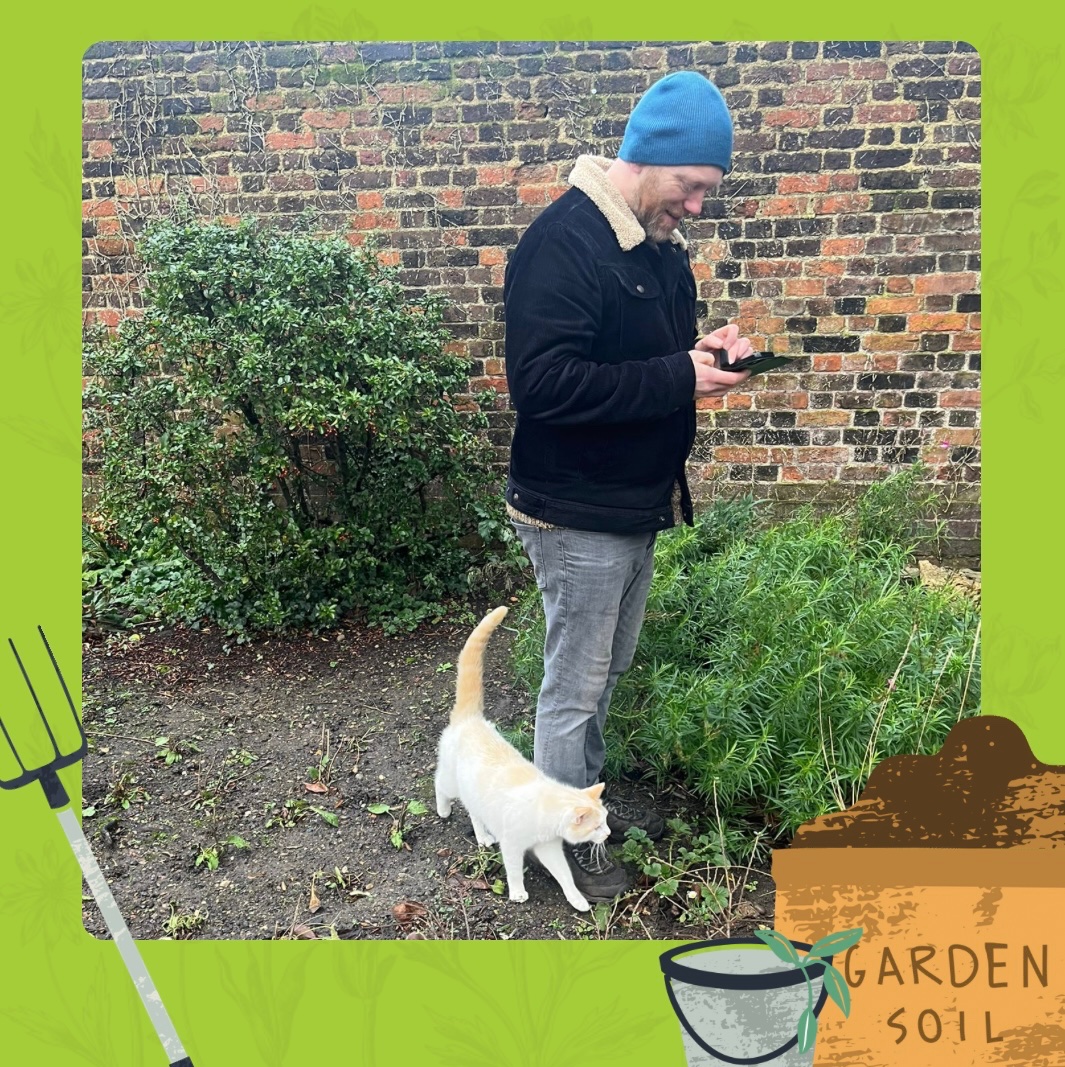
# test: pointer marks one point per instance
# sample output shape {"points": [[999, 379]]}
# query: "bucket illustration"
{"points": [[738, 1003]]}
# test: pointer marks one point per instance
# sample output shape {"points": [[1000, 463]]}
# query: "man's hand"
{"points": [[709, 380], [727, 340]]}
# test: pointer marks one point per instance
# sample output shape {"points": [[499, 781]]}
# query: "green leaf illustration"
{"points": [[833, 943], [782, 948], [807, 1030], [837, 988]]}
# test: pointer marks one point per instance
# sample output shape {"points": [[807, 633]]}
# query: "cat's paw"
{"points": [[486, 841], [519, 897], [579, 903]]}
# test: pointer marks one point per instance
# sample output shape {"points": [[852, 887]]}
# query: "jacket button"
{"points": [[639, 288]]}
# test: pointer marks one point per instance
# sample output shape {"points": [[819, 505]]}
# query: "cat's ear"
{"points": [[594, 791], [580, 814]]}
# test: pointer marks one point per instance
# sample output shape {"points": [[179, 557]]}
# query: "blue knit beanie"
{"points": [[681, 121]]}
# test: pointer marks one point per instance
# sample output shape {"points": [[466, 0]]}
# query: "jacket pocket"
{"points": [[642, 328]]}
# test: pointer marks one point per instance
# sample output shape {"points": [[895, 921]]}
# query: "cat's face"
{"points": [[587, 821]]}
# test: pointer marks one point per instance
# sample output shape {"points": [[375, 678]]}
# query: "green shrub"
{"points": [[279, 440], [778, 665]]}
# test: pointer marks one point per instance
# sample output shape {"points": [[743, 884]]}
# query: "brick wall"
{"points": [[847, 233]]}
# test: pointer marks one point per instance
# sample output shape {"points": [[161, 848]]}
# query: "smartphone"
{"points": [[755, 363]]}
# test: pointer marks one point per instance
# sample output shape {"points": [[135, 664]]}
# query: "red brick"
{"points": [[803, 183], [900, 285], [94, 209], [792, 117], [842, 204], [870, 114], [965, 342], [100, 149], [843, 246], [451, 197], [710, 403], [929, 322], [270, 102], [734, 454], [823, 416], [785, 205], [211, 123], [107, 227], [826, 362], [532, 194], [826, 71], [369, 201], [891, 305], [844, 182], [327, 120], [961, 398], [774, 268], [870, 70], [491, 257], [946, 283], [492, 175], [826, 268], [281, 139], [891, 342], [96, 109], [803, 287], [810, 94]]}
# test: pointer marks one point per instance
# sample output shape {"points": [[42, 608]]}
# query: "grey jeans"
{"points": [[594, 588]]}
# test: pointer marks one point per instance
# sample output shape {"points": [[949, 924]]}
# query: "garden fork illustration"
{"points": [[59, 801]]}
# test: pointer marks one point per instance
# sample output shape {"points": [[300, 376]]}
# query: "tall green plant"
{"points": [[778, 665], [278, 433]]}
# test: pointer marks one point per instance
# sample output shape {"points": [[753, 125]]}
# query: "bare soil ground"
{"points": [[240, 791]]}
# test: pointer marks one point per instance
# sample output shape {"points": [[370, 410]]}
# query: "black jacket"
{"points": [[597, 343]]}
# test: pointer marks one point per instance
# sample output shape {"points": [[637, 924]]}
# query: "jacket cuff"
{"points": [[680, 366]]}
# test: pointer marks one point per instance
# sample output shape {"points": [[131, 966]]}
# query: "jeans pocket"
{"points": [[530, 537]]}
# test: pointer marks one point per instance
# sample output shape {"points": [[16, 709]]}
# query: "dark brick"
{"points": [[882, 159], [800, 325], [890, 179], [801, 227], [886, 381], [891, 323], [791, 141], [918, 362], [837, 161], [740, 290], [838, 116], [782, 419], [850, 306], [726, 77], [912, 135], [881, 136], [934, 342], [867, 418], [770, 97], [866, 455], [807, 162], [848, 225], [880, 438], [963, 418], [729, 231], [832, 343], [955, 200], [853, 49], [836, 138], [920, 400], [899, 201], [758, 228], [901, 455], [804, 50], [949, 89], [798, 438], [968, 302]]}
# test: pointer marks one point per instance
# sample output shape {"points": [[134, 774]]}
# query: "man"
{"points": [[604, 369]]}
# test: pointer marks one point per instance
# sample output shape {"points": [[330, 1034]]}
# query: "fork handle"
{"points": [[123, 939]]}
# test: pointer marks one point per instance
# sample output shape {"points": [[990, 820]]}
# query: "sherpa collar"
{"points": [[589, 175]]}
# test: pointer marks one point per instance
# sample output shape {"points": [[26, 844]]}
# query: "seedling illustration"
{"points": [[59, 801], [820, 954], [750, 1000]]}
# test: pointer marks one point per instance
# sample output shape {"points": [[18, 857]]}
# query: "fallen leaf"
{"points": [[480, 883], [406, 911], [315, 787], [415, 936], [314, 903], [299, 932]]}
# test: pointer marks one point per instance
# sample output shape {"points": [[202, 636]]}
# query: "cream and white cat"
{"points": [[508, 799]]}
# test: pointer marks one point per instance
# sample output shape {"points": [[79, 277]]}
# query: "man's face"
{"points": [[664, 195]]}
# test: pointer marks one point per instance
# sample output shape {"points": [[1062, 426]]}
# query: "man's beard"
{"points": [[650, 213]]}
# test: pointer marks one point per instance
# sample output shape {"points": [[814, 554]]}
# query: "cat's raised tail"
{"points": [[469, 681]]}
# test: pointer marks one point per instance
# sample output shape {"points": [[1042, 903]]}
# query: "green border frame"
{"points": [[65, 997]]}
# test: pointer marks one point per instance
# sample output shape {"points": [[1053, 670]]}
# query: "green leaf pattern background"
{"points": [[66, 998]]}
